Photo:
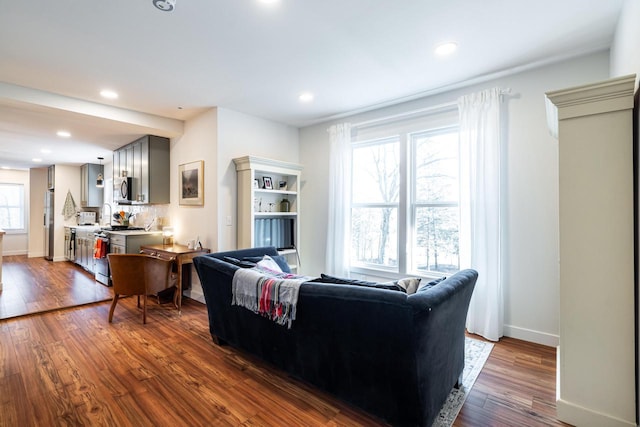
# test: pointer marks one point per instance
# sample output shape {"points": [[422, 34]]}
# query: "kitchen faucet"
{"points": [[110, 213]]}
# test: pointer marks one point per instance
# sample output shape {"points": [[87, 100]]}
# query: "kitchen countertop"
{"points": [[98, 227], [84, 228], [134, 232]]}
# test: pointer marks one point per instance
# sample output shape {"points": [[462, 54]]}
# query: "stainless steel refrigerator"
{"points": [[48, 225]]}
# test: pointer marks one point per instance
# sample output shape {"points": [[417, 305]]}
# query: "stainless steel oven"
{"points": [[101, 264]]}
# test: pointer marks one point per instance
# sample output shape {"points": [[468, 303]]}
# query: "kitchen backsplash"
{"points": [[142, 216]]}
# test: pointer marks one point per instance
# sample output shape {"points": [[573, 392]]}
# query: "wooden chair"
{"points": [[138, 274]]}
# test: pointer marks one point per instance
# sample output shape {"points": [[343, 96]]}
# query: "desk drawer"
{"points": [[161, 255]]}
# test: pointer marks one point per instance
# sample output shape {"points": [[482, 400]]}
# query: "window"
{"points": [[12, 207], [434, 205], [375, 196], [405, 185]]}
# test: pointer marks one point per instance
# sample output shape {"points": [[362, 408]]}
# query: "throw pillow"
{"points": [[269, 263], [279, 259], [409, 284]]}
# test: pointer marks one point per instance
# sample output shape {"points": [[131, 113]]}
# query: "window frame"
{"points": [[406, 205], [22, 208]]}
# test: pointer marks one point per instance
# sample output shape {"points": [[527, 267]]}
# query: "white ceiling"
{"points": [[55, 57]]}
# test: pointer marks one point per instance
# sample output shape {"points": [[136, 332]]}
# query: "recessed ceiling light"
{"points": [[306, 97], [446, 48], [63, 134], [109, 94], [36, 160]]}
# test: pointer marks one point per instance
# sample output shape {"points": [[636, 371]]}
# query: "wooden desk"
{"points": [[182, 255]]}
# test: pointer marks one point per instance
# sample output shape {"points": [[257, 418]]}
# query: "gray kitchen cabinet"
{"points": [[129, 242], [90, 195], [51, 177], [84, 248], [146, 161]]}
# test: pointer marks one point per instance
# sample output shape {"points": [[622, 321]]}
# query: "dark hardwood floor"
{"points": [[34, 285], [71, 367]]}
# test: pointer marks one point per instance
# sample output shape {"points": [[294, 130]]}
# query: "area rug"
{"points": [[476, 354]]}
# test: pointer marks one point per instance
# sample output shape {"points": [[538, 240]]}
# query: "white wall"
{"points": [[217, 136], [531, 223], [199, 142], [242, 135], [15, 243], [625, 50], [67, 178], [37, 189]]}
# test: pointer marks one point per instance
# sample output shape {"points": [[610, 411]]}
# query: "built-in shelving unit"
{"points": [[596, 194], [263, 219]]}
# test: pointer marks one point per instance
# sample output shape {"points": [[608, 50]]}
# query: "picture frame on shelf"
{"points": [[282, 185], [256, 183], [268, 184], [191, 179]]}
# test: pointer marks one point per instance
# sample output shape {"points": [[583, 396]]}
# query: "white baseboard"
{"points": [[583, 417], [17, 252], [531, 335]]}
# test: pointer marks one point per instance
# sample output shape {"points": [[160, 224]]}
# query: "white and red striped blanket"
{"points": [[272, 295]]}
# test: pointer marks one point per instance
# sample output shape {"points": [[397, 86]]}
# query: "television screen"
{"points": [[278, 232]]}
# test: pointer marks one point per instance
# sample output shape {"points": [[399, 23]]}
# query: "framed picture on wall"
{"points": [[191, 183]]}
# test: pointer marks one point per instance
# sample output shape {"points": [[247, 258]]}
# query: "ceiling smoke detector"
{"points": [[165, 5]]}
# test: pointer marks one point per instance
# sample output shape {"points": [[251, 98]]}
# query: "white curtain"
{"points": [[338, 235], [480, 208]]}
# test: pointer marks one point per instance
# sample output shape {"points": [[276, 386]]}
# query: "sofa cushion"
{"points": [[429, 285], [237, 262], [341, 281]]}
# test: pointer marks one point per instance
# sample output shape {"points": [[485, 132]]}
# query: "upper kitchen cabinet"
{"points": [[142, 167], [90, 195], [51, 177]]}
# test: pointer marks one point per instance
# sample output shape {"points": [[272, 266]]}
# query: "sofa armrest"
{"points": [[439, 317]]}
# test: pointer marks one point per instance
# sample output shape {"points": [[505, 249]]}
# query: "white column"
{"points": [[1, 239], [596, 362]]}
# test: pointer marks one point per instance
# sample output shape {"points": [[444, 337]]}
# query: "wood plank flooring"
{"points": [[71, 367], [517, 387], [33, 285]]}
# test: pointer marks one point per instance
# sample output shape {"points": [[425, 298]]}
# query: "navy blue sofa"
{"points": [[394, 355]]}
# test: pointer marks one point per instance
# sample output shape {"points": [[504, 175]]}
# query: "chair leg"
{"points": [[144, 309], [113, 307], [138, 301]]}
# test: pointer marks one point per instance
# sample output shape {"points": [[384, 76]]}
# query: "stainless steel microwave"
{"points": [[123, 189]]}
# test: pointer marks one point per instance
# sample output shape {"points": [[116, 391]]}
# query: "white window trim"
{"points": [[406, 208], [22, 230]]}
